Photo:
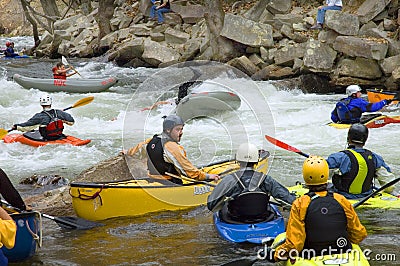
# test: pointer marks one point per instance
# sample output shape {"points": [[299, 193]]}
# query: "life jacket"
{"points": [[325, 226], [156, 163], [54, 128], [346, 115], [57, 75], [359, 178]]}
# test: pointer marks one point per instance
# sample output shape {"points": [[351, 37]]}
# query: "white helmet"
{"points": [[46, 100], [247, 152], [352, 89]]}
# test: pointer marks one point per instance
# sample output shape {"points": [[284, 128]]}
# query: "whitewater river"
{"points": [[114, 121]]}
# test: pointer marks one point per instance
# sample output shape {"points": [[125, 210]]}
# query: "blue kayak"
{"points": [[256, 233], [16, 57]]}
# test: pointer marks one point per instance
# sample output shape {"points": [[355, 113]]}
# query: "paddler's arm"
{"points": [[8, 229], [384, 176], [138, 147], [29, 125]]}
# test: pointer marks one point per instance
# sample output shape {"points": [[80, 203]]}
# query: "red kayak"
{"points": [[11, 138]]}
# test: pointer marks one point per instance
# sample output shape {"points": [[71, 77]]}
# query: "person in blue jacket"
{"points": [[9, 52], [353, 170], [349, 110]]}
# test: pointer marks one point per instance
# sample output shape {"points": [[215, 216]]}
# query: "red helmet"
{"points": [[8, 44]]}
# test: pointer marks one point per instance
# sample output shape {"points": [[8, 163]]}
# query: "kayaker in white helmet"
{"points": [[246, 182], [321, 222], [353, 170], [349, 110], [50, 122], [166, 155]]}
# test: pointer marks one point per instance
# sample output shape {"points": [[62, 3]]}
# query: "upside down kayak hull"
{"points": [[104, 200], [256, 233], [204, 104], [28, 238], [375, 122], [382, 201], [355, 257], [67, 85], [12, 138]]}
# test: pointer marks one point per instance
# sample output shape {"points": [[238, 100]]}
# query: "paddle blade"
{"points": [[285, 146], [81, 102], [64, 61], [69, 222], [3, 133]]}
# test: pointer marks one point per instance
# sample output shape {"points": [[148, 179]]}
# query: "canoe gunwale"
{"points": [[117, 184]]}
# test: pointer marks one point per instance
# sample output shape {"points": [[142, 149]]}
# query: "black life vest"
{"points": [[346, 115], [326, 226], [362, 172], [54, 128], [156, 163]]}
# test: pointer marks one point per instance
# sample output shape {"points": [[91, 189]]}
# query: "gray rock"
{"points": [[341, 22], [364, 47], [319, 57], [359, 68]]}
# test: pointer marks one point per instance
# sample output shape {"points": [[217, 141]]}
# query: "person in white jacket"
{"points": [[330, 5]]}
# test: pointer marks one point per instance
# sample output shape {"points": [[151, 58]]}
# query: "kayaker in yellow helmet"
{"points": [[50, 122], [353, 170], [166, 155], [257, 186], [321, 221]]}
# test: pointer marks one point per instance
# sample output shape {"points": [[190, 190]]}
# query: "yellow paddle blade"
{"points": [[3, 133], [83, 101]]}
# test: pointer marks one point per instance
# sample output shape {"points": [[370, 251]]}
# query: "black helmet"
{"points": [[358, 133], [171, 121]]}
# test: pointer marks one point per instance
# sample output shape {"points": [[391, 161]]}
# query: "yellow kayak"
{"points": [[371, 121], [103, 200], [382, 201]]}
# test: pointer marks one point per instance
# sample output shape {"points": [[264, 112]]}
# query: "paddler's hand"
{"points": [[211, 177]]}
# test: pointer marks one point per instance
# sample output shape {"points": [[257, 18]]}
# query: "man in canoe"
{"points": [[226, 195], [166, 156], [349, 110], [354, 169], [50, 121], [320, 222], [60, 72]]}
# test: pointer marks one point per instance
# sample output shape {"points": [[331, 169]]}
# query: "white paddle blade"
{"points": [[64, 61]]}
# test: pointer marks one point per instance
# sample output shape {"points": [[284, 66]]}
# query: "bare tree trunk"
{"points": [[104, 15], [222, 48], [33, 23]]}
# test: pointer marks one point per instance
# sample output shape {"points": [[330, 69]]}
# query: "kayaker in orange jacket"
{"points": [[320, 222], [166, 155]]}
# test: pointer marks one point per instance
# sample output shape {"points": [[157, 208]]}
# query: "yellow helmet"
{"points": [[315, 171]]}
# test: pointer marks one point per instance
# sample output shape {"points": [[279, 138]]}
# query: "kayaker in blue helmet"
{"points": [[50, 122], [349, 110], [353, 170], [321, 222], [246, 180], [166, 155]]}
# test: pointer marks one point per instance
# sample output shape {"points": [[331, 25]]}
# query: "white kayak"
{"points": [[67, 85], [204, 104]]}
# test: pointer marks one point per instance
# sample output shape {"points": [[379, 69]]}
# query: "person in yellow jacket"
{"points": [[8, 231], [166, 155], [320, 222]]}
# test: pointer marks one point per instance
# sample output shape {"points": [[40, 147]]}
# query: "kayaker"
{"points": [[8, 233], [354, 169], [9, 52], [226, 195], [320, 222], [50, 121], [60, 72], [166, 155], [349, 110]]}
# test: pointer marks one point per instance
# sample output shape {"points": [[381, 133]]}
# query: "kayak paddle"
{"points": [[79, 103], [285, 146], [191, 180], [391, 183], [65, 62]]}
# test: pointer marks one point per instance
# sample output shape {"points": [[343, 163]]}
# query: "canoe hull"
{"points": [[28, 236], [100, 201], [12, 138], [207, 103], [382, 201], [68, 85], [256, 233]]}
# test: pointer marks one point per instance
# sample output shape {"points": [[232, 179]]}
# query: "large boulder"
{"points": [[359, 68], [155, 53], [369, 9], [341, 22], [319, 57], [365, 47]]}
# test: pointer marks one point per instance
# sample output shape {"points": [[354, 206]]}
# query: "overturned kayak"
{"points": [[66, 85], [34, 139], [371, 121], [205, 104], [381, 201], [256, 233], [375, 96]]}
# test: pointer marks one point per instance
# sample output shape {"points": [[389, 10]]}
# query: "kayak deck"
{"points": [[371, 121], [12, 138]]}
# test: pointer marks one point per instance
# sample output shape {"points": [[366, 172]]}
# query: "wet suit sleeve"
{"points": [[370, 107], [176, 155], [31, 124], [277, 190], [65, 117], [224, 189]]}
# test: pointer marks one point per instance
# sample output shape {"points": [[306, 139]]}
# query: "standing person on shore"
{"points": [[330, 5]]}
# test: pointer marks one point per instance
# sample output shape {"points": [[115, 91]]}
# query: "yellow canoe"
{"points": [[382, 201], [103, 200]]}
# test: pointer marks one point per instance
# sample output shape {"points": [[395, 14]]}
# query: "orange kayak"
{"points": [[375, 96], [11, 138]]}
